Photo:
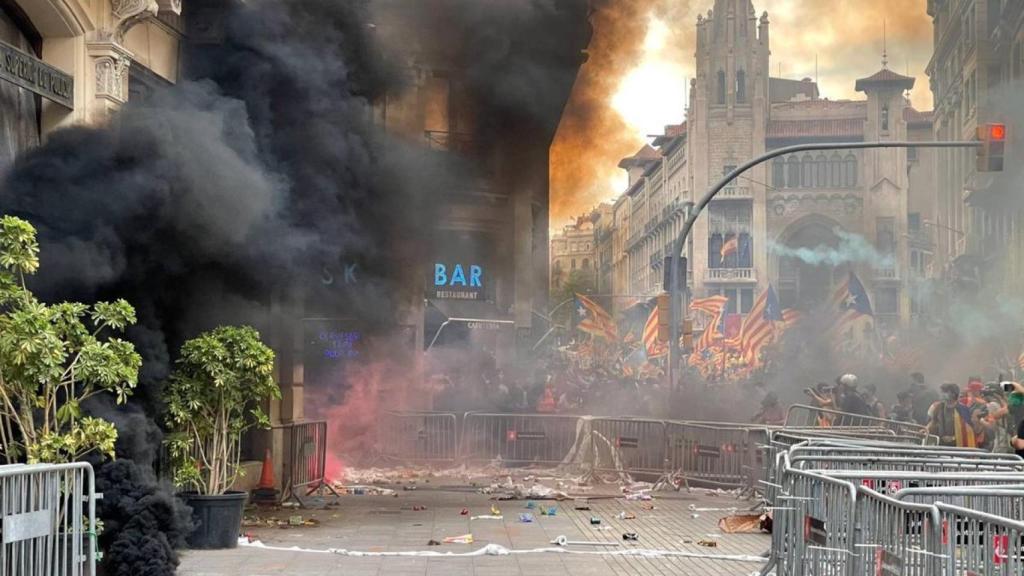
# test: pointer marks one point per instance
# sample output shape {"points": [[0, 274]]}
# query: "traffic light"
{"points": [[993, 144], [687, 335], [667, 274], [664, 318]]}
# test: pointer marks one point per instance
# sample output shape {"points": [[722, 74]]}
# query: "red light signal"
{"points": [[993, 144]]}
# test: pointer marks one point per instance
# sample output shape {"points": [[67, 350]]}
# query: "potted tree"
{"points": [[217, 391]]}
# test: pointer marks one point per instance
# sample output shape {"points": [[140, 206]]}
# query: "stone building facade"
{"points": [[72, 62], [821, 201], [976, 73], [574, 249]]}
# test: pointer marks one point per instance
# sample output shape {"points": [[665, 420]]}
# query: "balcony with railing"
{"points": [[887, 273], [729, 275], [742, 192]]}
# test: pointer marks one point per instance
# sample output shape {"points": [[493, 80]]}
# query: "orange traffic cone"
{"points": [[267, 474]]}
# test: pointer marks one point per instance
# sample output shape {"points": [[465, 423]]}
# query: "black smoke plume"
{"points": [[259, 178]]}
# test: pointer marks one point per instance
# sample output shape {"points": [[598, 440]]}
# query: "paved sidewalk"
{"points": [[388, 524]]}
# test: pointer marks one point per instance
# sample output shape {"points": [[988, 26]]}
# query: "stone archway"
{"points": [[802, 283]]}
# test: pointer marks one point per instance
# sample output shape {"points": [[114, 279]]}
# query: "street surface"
{"points": [[376, 524]]}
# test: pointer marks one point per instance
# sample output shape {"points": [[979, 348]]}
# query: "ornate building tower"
{"points": [[727, 119]]}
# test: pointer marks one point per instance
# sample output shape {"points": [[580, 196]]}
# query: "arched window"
{"points": [[741, 86], [793, 175], [835, 170], [721, 87], [778, 173], [821, 171], [586, 263], [573, 264], [807, 171], [850, 171], [715, 251], [885, 118]]}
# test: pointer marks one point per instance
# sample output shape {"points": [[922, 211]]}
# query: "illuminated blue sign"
{"points": [[339, 345], [458, 281]]}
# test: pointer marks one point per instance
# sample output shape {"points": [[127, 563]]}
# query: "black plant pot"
{"points": [[217, 519]]}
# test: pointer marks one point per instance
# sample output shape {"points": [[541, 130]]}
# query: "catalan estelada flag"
{"points": [[652, 345], [730, 246], [593, 319]]}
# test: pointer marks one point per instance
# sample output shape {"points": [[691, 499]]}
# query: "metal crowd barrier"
{"points": [[631, 444], [49, 520], [520, 438], [420, 437], [915, 511], [717, 455], [802, 415], [973, 542], [305, 472], [893, 536]]}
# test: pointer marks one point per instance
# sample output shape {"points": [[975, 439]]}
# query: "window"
{"points": [[835, 169], [721, 87], [885, 118], [914, 222], [586, 263], [741, 300], [885, 235], [728, 221], [793, 173], [573, 264], [821, 171], [778, 173], [741, 84], [807, 171], [850, 171]]}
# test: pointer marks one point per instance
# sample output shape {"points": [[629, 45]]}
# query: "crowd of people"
{"points": [[982, 415]]}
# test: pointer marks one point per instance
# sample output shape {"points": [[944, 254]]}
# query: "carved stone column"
{"points": [[110, 60]]}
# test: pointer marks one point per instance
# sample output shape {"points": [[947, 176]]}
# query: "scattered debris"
{"points": [[594, 521], [626, 516], [708, 543], [488, 517], [530, 505], [742, 524], [632, 536], [552, 510], [694, 516], [360, 490], [526, 518], [433, 543], [465, 512], [463, 539], [563, 541], [582, 504], [418, 508], [495, 511], [648, 507]]}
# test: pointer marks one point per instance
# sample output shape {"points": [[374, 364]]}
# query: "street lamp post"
{"points": [[677, 246]]}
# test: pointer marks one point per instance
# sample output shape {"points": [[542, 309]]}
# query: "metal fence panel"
{"points": [[418, 437], [801, 415], [634, 445], [973, 542], [522, 438], [48, 514], [709, 454], [894, 537]]}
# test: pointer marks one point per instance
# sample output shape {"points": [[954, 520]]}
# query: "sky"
{"points": [[641, 59]]}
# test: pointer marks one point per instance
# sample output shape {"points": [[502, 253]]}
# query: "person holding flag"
{"points": [[951, 421]]}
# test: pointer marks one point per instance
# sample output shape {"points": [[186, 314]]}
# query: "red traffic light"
{"points": [[996, 131]]}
